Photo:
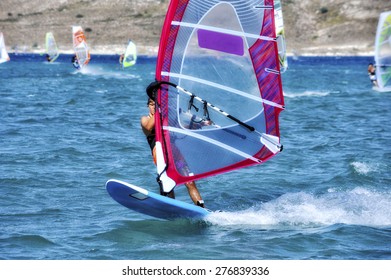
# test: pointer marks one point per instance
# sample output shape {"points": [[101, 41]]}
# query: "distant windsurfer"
{"points": [[48, 58], [148, 127], [75, 62], [121, 59], [372, 74]]}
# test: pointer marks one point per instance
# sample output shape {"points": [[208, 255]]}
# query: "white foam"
{"points": [[359, 206], [92, 70], [307, 93], [363, 168]]}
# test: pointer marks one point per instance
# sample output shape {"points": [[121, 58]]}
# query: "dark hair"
{"points": [[152, 89]]}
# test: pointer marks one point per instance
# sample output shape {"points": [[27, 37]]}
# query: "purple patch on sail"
{"points": [[220, 42]]}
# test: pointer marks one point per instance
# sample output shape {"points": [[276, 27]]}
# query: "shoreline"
{"points": [[152, 51]]}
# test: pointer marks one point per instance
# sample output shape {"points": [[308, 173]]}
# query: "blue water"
{"points": [[64, 133]]}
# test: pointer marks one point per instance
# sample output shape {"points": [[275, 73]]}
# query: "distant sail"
{"points": [[280, 32], [218, 107], [130, 56], [3, 52], [80, 46], [51, 47], [383, 52]]}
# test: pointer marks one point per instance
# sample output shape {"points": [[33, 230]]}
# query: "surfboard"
{"points": [[152, 204]]}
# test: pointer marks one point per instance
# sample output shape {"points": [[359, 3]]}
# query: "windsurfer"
{"points": [[148, 127], [48, 58], [121, 59], [372, 74], [75, 62]]}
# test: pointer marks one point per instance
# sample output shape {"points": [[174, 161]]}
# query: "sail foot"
{"points": [[271, 142]]}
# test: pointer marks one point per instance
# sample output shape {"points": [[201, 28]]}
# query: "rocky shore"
{"points": [[313, 27]]}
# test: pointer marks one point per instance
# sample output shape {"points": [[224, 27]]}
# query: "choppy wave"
{"points": [[30, 240], [358, 206]]}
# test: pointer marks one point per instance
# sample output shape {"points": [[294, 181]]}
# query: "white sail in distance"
{"points": [[130, 56], [3, 52], [51, 47], [80, 46]]}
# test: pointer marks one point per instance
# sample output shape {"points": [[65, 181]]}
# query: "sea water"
{"points": [[64, 133]]}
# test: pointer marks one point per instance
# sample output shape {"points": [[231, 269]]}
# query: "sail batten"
{"points": [[222, 87], [221, 30], [212, 142], [263, 7], [218, 107]]}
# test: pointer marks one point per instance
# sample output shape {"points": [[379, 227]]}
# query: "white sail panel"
{"points": [[280, 32]]}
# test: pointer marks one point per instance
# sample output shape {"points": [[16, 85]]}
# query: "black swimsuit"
{"points": [[151, 138]]}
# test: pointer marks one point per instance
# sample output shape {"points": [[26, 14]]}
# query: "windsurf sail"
{"points": [[51, 47], [3, 52], [280, 32], [383, 52], [221, 92], [130, 56], [80, 46]]}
